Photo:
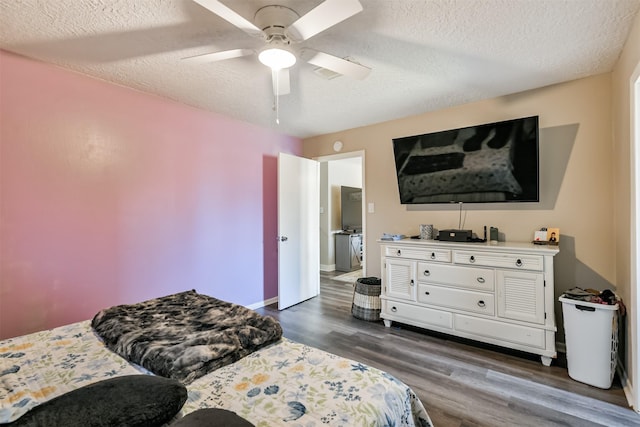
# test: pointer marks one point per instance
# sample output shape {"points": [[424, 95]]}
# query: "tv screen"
{"points": [[494, 162], [351, 208]]}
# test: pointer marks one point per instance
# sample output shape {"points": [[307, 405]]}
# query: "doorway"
{"points": [[344, 169]]}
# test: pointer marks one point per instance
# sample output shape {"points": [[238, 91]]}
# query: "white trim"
{"points": [[349, 155], [263, 303], [634, 304], [327, 267], [340, 156], [627, 387]]}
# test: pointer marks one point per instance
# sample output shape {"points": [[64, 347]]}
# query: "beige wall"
{"points": [[585, 149], [575, 168], [622, 140]]}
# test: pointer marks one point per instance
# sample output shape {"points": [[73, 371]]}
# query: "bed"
{"points": [[264, 378]]}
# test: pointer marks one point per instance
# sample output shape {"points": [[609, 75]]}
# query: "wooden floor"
{"points": [[460, 383]]}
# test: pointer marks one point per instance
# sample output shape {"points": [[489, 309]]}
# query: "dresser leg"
{"points": [[387, 323], [546, 361]]}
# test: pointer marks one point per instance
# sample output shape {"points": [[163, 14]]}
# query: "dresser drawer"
{"points": [[413, 314], [497, 259], [432, 254], [451, 275], [474, 302], [437, 255], [503, 331]]}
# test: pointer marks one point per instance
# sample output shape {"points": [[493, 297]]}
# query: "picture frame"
{"points": [[553, 236]]}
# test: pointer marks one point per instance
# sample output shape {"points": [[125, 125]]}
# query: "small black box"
{"points": [[455, 235]]}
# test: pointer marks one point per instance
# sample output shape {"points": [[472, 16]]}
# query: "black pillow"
{"points": [[130, 400], [212, 417]]}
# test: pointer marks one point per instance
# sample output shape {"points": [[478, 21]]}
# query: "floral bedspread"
{"points": [[284, 384], [37, 367], [291, 384]]}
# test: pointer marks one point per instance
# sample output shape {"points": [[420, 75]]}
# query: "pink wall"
{"points": [[111, 196]]}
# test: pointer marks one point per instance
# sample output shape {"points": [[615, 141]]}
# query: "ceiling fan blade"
{"points": [[333, 63], [280, 80], [231, 16], [325, 15], [218, 56]]}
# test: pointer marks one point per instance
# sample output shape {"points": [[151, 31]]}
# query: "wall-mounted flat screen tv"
{"points": [[493, 162]]}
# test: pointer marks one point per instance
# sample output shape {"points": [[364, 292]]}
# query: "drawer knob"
{"points": [[427, 273], [427, 293], [394, 309], [481, 303], [399, 252], [411, 283], [433, 255], [472, 259], [518, 262], [480, 279]]}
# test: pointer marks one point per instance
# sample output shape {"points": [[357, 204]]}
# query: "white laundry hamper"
{"points": [[591, 337]]}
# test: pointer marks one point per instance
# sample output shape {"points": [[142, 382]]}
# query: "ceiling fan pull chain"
{"points": [[276, 82]]}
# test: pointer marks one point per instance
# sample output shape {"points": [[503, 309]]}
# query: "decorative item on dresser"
{"points": [[500, 294]]}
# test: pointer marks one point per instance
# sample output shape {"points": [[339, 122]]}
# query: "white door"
{"points": [[298, 225]]}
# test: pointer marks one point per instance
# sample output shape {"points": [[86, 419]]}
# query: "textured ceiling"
{"points": [[424, 54]]}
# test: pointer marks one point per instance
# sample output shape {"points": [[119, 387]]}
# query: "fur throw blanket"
{"points": [[186, 335]]}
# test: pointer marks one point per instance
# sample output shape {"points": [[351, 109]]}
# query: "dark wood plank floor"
{"points": [[461, 383]]}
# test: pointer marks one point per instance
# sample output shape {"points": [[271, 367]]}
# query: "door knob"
{"points": [[284, 238]]}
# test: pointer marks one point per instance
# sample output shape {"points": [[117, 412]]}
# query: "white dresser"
{"points": [[500, 294]]}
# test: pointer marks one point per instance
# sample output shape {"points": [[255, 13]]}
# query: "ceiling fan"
{"points": [[279, 27]]}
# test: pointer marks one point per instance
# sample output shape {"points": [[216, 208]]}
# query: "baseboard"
{"points": [[327, 267], [263, 303], [627, 387]]}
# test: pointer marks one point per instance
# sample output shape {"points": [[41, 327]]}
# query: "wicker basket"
{"points": [[366, 299]]}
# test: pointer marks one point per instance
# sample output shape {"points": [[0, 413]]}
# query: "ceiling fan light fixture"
{"points": [[277, 58]]}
